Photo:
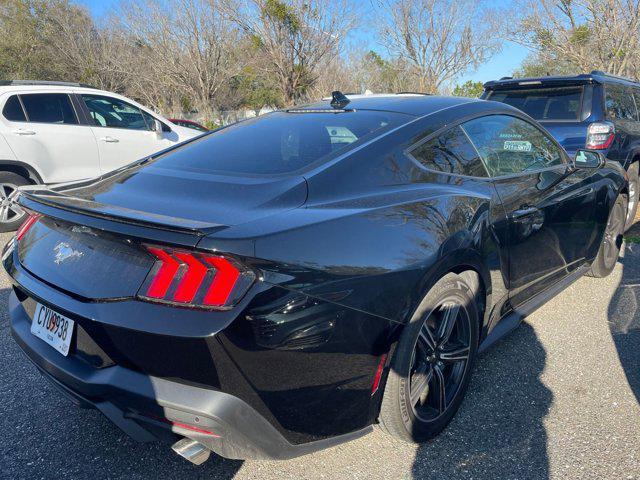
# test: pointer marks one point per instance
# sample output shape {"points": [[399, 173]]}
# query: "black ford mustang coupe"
{"points": [[283, 284]]}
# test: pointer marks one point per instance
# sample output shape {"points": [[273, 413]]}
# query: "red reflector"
{"points": [[164, 276], [193, 429], [179, 424], [28, 223], [223, 283], [192, 279], [376, 380]]}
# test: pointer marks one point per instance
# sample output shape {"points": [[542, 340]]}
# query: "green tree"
{"points": [[469, 89]]}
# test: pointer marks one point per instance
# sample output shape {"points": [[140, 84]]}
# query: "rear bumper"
{"points": [[149, 408]]}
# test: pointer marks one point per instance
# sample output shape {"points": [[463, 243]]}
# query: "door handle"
{"points": [[109, 140], [524, 212], [24, 131]]}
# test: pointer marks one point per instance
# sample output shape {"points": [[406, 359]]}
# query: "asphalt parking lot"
{"points": [[559, 398]]}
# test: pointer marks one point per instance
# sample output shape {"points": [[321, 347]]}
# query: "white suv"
{"points": [[52, 132]]}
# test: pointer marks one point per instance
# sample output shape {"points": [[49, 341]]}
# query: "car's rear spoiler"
{"points": [[57, 204], [525, 83]]}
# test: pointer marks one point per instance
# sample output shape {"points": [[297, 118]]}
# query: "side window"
{"points": [[509, 145], [12, 110], [49, 108], [114, 113], [451, 152], [148, 119], [619, 103]]}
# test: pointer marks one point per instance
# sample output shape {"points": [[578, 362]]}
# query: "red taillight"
{"points": [[28, 223], [195, 279], [600, 135]]}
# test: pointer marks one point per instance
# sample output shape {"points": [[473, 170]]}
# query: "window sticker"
{"points": [[517, 146]]}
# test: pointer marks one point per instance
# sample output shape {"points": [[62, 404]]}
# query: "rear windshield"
{"points": [[281, 142], [558, 103]]}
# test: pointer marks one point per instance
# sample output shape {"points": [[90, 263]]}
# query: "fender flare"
{"points": [[19, 167], [457, 260]]}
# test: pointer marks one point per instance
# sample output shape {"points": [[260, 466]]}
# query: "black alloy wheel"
{"points": [[609, 250], [432, 362], [612, 233], [440, 359]]}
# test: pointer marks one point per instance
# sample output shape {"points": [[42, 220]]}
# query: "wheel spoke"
{"points": [[16, 209], [455, 355], [4, 214], [440, 389], [427, 337], [448, 322], [420, 384], [6, 190]]}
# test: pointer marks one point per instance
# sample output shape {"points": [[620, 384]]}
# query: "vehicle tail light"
{"points": [[195, 279], [600, 135], [28, 223]]}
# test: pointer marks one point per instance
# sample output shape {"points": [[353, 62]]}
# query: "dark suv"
{"points": [[594, 110]]}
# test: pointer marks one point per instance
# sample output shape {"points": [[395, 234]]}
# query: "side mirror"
{"points": [[588, 159]]}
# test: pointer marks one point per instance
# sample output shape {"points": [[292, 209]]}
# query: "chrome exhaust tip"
{"points": [[193, 451]]}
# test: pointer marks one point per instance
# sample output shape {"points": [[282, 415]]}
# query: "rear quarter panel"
{"points": [[342, 276], [5, 150], [343, 279]]}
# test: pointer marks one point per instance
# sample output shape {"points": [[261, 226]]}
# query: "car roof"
{"points": [[54, 88], [596, 76], [407, 103]]}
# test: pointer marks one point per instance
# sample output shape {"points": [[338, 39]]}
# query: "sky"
{"points": [[503, 64]]}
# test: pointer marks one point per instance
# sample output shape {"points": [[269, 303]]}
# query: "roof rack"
{"points": [[44, 82], [605, 74], [505, 78], [412, 93]]}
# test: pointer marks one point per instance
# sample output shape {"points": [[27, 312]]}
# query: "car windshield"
{"points": [[281, 142], [558, 103]]}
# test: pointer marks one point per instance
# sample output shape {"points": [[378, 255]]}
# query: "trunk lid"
{"points": [[85, 262], [184, 200]]}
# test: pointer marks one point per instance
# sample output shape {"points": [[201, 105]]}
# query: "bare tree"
{"points": [[81, 50], [438, 39], [587, 34], [380, 75], [187, 48], [296, 38]]}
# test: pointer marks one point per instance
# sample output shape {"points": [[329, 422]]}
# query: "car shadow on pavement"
{"points": [[50, 437], [624, 317], [498, 431]]}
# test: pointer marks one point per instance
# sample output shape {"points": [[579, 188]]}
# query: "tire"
{"points": [[634, 192], [417, 370], [11, 216], [609, 250]]}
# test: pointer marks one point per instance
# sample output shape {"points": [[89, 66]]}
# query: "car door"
{"points": [[124, 132], [43, 130], [549, 206]]}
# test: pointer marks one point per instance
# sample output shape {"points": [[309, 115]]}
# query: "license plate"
{"points": [[52, 327]]}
